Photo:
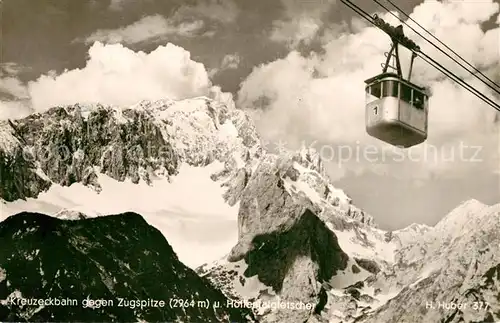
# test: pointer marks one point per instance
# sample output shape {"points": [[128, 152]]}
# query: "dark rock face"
{"points": [[285, 230], [75, 143], [104, 258], [267, 209], [18, 178], [281, 238], [273, 254], [68, 146], [368, 265]]}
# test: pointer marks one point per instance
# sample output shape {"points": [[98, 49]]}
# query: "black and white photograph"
{"points": [[264, 161]]}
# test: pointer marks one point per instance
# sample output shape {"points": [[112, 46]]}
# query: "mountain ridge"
{"points": [[104, 275], [297, 238]]}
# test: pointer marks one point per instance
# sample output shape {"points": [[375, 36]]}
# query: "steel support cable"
{"points": [[455, 78], [437, 47], [438, 66], [445, 71], [446, 46], [358, 10]]}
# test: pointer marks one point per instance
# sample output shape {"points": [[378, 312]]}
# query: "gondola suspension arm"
{"points": [[396, 34]]}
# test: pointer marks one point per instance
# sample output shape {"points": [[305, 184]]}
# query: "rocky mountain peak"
{"points": [[300, 241], [75, 143], [287, 205], [461, 215], [286, 202]]}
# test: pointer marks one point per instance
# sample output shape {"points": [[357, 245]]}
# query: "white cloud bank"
{"points": [[301, 23], [14, 96], [119, 76], [322, 96]]}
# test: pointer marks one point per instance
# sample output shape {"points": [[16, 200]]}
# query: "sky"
{"points": [[296, 66]]}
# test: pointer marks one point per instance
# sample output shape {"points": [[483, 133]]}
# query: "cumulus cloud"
{"points": [[295, 32], [321, 96], [301, 23], [14, 109], [14, 96], [11, 69], [119, 76], [13, 87], [458, 24], [154, 27], [10, 86]]}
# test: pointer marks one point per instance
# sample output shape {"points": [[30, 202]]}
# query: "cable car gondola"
{"points": [[396, 109]]}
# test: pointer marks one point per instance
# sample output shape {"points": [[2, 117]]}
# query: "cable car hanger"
{"points": [[491, 102], [496, 86], [397, 36]]}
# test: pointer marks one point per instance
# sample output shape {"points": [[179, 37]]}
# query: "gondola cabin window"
{"points": [[390, 88], [418, 100], [373, 92], [412, 96]]}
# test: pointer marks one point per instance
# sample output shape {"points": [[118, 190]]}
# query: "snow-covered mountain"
{"points": [[268, 230], [147, 158]]}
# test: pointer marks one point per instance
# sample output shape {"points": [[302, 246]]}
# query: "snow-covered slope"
{"points": [[455, 264], [301, 241], [266, 229], [189, 209], [154, 158]]}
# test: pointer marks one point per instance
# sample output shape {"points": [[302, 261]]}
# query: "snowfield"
{"points": [[190, 210]]}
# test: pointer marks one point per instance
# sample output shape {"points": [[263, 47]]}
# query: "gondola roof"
{"points": [[394, 75]]}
